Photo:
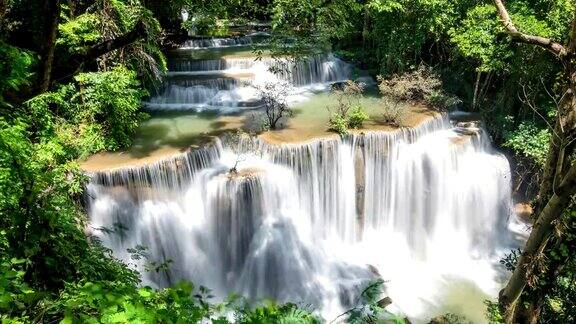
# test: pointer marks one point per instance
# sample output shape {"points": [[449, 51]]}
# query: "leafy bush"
{"points": [[449, 318], [99, 111], [270, 312], [442, 101], [118, 302], [370, 306], [79, 32], [338, 124], [112, 99], [421, 85], [206, 25], [347, 113], [357, 117], [15, 67], [493, 314], [530, 141], [347, 96]]}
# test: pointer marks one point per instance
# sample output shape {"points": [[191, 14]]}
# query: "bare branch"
{"points": [[526, 100], [546, 43]]}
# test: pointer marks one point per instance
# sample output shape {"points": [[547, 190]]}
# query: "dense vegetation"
{"points": [[72, 74]]}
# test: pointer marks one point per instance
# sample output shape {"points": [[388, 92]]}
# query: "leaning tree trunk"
{"points": [[563, 136], [541, 232], [476, 90], [52, 10], [559, 183], [556, 193]]}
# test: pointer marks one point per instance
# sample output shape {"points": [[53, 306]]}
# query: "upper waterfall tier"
{"points": [[217, 42], [256, 38], [188, 86]]}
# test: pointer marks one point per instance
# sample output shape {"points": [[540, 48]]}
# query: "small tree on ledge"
{"points": [[274, 97]]}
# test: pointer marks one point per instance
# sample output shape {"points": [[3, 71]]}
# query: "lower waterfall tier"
{"points": [[423, 208]]}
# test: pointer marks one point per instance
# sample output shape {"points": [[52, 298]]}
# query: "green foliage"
{"points": [[493, 314], [205, 25], [348, 112], [477, 38], [119, 302], [357, 117], [100, 110], [401, 29], [553, 278], [530, 141], [14, 292], [119, 17], [271, 312], [14, 71], [41, 222], [239, 10], [450, 318], [370, 306], [338, 124], [79, 32], [112, 99]]}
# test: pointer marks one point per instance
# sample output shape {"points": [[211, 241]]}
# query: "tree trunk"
{"points": [[3, 11], [476, 90], [558, 186], [365, 28], [541, 232], [556, 191], [72, 7], [561, 143], [52, 10]]}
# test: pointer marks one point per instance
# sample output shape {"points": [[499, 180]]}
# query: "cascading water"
{"points": [[199, 93], [217, 42], [424, 208]]}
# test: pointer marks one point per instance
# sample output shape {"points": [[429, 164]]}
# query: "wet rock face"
{"points": [[470, 128]]}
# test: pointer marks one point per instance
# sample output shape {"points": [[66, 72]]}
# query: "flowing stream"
{"points": [[427, 209]]}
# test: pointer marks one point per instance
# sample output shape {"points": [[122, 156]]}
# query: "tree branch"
{"points": [[52, 11], [138, 32], [546, 43]]}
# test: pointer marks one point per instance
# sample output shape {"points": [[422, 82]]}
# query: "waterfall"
{"points": [[228, 84], [255, 38], [311, 222], [216, 42]]}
